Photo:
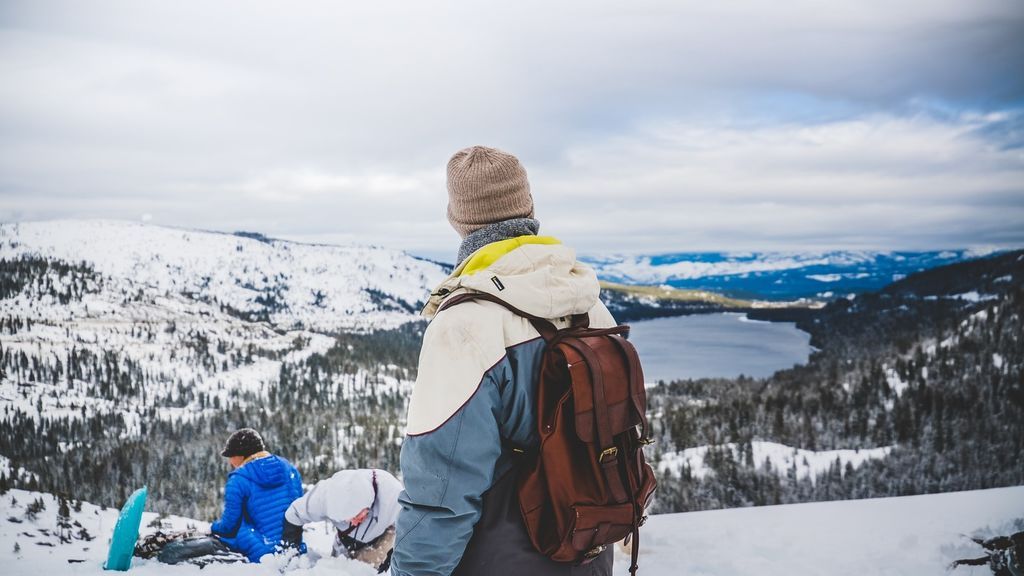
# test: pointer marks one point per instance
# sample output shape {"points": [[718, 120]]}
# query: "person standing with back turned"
{"points": [[474, 402]]}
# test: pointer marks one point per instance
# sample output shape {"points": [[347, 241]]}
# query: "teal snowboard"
{"points": [[126, 532]]}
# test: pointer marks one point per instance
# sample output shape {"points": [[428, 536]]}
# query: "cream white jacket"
{"points": [[476, 391]]}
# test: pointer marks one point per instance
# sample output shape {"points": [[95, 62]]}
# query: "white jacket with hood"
{"points": [[342, 496]]}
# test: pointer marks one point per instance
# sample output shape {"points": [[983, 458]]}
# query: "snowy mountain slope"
{"points": [[113, 333], [114, 346], [108, 316], [802, 463], [907, 536], [927, 384], [127, 367], [292, 285], [774, 276]]}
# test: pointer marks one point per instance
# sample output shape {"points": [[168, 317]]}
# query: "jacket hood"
{"points": [[269, 472], [536, 274], [355, 488]]}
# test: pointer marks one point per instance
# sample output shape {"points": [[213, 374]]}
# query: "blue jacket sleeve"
{"points": [[235, 495], [446, 471]]}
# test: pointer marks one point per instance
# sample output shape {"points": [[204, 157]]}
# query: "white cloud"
{"points": [[873, 182], [692, 124]]}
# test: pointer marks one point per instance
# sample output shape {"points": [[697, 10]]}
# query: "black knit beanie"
{"points": [[244, 442]]}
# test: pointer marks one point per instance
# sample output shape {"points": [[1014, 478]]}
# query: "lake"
{"points": [[717, 345]]}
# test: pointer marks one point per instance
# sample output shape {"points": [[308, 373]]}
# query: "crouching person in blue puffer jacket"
{"points": [[258, 491]]}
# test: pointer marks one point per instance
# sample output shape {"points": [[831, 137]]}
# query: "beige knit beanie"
{"points": [[486, 185]]}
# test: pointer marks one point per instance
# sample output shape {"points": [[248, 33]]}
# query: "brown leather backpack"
{"points": [[587, 485]]}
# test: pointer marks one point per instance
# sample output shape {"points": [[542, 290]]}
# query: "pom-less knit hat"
{"points": [[244, 442], [486, 185]]}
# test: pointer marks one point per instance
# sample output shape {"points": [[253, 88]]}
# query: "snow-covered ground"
{"points": [[40, 550], [909, 536], [806, 463]]}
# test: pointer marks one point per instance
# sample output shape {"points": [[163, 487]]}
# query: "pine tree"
{"points": [[34, 508], [64, 521]]}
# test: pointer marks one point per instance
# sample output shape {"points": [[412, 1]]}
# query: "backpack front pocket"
{"points": [[597, 526]]}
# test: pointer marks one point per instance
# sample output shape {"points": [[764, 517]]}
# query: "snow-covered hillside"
{"points": [[114, 333], [909, 536], [775, 276], [123, 318], [297, 286], [129, 352], [773, 456]]}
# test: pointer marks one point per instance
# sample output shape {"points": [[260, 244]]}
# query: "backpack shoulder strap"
{"points": [[637, 392], [544, 326]]}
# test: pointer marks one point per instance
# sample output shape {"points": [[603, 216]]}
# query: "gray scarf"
{"points": [[495, 233]]}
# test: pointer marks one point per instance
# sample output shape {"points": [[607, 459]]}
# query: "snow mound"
{"points": [[907, 536]]}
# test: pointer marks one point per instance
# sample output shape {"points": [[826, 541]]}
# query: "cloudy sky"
{"points": [[645, 126]]}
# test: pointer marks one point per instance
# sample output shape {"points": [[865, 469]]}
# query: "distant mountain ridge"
{"points": [[775, 275], [333, 288], [290, 285]]}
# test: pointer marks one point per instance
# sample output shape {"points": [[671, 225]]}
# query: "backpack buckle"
{"points": [[594, 552], [613, 452]]}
